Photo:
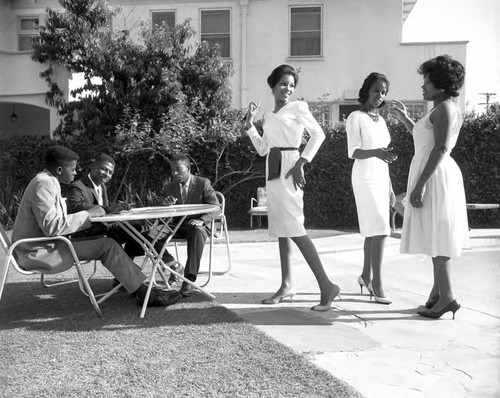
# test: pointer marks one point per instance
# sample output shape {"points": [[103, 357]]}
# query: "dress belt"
{"points": [[274, 161]]}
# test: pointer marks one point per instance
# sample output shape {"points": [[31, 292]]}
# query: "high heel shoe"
{"points": [[276, 298], [432, 301], [325, 307], [453, 307], [380, 300], [362, 283]]}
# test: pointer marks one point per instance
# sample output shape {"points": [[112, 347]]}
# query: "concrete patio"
{"points": [[381, 350]]}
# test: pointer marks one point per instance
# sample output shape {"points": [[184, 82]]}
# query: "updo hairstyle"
{"points": [[445, 73], [278, 73]]}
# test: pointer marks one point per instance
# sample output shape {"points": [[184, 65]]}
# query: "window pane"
{"points": [[25, 42], [29, 23], [215, 21], [223, 41], [305, 43], [168, 17], [346, 110], [306, 18]]}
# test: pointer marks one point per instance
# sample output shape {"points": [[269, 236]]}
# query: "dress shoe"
{"points": [[278, 298], [159, 297], [186, 289], [432, 301], [453, 307], [378, 299], [362, 283], [173, 279], [334, 292]]}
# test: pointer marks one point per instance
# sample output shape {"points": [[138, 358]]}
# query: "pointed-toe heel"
{"points": [[362, 284], [451, 307], [327, 306], [432, 302], [277, 298], [380, 300]]}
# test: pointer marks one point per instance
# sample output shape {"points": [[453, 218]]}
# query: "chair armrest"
{"points": [[44, 239], [252, 201]]}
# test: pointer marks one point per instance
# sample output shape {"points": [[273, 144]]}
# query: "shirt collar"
{"points": [[96, 187], [187, 183]]}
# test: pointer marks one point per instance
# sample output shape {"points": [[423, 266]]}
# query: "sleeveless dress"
{"points": [[284, 129], [370, 177], [439, 227]]}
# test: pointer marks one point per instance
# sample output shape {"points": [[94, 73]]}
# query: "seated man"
{"points": [[91, 190], [42, 212], [186, 188]]}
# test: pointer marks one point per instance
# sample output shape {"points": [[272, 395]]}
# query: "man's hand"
{"points": [[169, 201], [196, 222], [96, 211], [116, 208]]}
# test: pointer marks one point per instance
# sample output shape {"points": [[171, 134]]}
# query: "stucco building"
{"points": [[334, 43]]}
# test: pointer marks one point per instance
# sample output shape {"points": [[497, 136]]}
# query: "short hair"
{"points": [[364, 91], [57, 155], [278, 73], [445, 73], [183, 158], [104, 158]]}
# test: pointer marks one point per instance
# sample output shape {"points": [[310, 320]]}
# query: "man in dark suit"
{"points": [[42, 212], [90, 190], [186, 188]]}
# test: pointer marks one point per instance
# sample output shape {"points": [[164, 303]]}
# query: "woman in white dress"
{"points": [[435, 219], [283, 132], [367, 142]]}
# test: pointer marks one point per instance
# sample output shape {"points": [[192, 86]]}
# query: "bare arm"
{"points": [[384, 154], [399, 109]]}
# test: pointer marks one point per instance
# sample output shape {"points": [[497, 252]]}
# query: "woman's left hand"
{"points": [[392, 198], [416, 196], [297, 173]]}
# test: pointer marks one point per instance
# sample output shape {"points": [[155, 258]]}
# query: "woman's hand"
{"points": [[399, 109], [297, 173], [417, 196], [392, 198], [252, 110], [386, 155]]}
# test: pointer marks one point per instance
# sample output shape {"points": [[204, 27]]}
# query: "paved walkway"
{"points": [[383, 351]]}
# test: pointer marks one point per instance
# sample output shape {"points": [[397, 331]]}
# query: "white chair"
{"points": [[10, 260], [218, 230], [258, 207]]}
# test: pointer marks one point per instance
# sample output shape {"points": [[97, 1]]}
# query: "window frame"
{"points": [[33, 33], [229, 10], [321, 29], [170, 11]]}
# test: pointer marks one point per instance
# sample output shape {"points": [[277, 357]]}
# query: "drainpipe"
{"points": [[243, 84]]}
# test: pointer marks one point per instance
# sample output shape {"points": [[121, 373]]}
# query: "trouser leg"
{"points": [[112, 256], [196, 238]]}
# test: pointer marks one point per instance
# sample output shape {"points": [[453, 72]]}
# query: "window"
{"points": [[346, 109], [216, 29], [305, 31], [415, 109], [27, 33], [158, 17]]}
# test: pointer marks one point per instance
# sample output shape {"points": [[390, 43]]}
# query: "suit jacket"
{"points": [[200, 192], [42, 212], [82, 195]]}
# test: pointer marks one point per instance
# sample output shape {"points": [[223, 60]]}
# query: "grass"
{"points": [[54, 345]]}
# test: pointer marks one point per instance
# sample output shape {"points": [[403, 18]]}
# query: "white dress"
{"points": [[439, 227], [285, 129], [370, 177]]}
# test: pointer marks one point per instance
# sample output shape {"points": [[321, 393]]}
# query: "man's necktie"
{"points": [[184, 193]]}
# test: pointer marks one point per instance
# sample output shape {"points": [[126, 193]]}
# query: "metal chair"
{"points": [[10, 260], [258, 207], [218, 230]]}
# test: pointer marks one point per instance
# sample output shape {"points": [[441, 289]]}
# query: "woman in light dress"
{"points": [[435, 218], [368, 142], [283, 131]]}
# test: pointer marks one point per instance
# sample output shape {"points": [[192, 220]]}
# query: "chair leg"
{"points": [[88, 289], [47, 285], [4, 276]]}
